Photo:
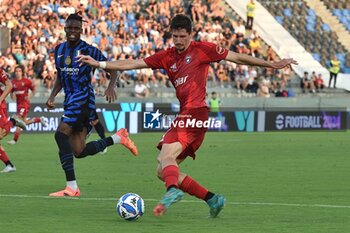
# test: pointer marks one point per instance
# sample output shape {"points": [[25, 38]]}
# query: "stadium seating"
{"points": [[341, 9], [309, 29]]}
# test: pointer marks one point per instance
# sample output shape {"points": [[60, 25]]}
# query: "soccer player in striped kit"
{"points": [[79, 104]]}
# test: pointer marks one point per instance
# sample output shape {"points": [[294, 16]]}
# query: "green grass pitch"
{"points": [[293, 182]]}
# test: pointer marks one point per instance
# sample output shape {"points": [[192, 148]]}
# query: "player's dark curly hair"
{"points": [[20, 67], [181, 21], [76, 17]]}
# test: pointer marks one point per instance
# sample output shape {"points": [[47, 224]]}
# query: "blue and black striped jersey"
{"points": [[75, 79]]}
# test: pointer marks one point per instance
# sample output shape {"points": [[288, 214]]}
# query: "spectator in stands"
{"points": [[255, 47], [263, 90], [270, 54], [333, 71], [217, 11], [286, 74], [251, 7], [254, 35], [280, 91], [307, 83], [211, 76], [241, 45], [318, 81], [161, 76], [221, 73], [48, 78], [36, 27], [140, 90], [240, 29], [252, 80], [214, 102], [241, 78]]}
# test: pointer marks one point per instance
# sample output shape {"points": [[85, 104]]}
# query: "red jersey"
{"points": [[3, 79], [188, 71], [21, 89]]}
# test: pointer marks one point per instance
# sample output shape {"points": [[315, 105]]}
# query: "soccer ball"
{"points": [[130, 207]]}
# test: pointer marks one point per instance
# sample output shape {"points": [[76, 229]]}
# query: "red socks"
{"points": [[171, 176], [16, 136], [3, 156], [188, 185], [193, 188], [36, 120]]}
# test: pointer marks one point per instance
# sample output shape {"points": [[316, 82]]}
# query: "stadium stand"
{"points": [[128, 29], [341, 9], [309, 29]]}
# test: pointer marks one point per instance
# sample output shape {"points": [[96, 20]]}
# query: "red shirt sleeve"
{"points": [[30, 85], [3, 76], [213, 52], [157, 60]]}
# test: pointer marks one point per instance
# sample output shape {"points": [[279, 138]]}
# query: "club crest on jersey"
{"points": [[173, 68], [68, 61], [188, 59], [220, 50]]}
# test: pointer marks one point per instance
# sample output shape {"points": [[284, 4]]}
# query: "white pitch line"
{"points": [[188, 201]]}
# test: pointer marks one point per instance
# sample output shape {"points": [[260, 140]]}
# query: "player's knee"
{"points": [[159, 173], [78, 154], [3, 133]]}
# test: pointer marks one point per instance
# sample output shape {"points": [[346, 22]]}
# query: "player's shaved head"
{"points": [[181, 21]]}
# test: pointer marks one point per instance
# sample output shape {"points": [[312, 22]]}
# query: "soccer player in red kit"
{"points": [[20, 90], [5, 123], [187, 66]]}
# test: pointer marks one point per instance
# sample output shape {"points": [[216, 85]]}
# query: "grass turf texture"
{"points": [[273, 182]]}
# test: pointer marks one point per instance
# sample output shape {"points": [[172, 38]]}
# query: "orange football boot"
{"points": [[126, 141], [67, 192]]}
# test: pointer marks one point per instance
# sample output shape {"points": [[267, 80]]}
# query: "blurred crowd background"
{"points": [[134, 29]]}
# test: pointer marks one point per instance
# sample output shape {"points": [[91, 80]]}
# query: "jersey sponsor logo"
{"points": [[180, 81], [188, 59], [173, 68], [19, 92], [70, 71], [219, 49]]}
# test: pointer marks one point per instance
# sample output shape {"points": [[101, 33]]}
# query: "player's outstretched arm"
{"points": [[57, 86], [253, 61], [7, 90], [113, 65]]}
